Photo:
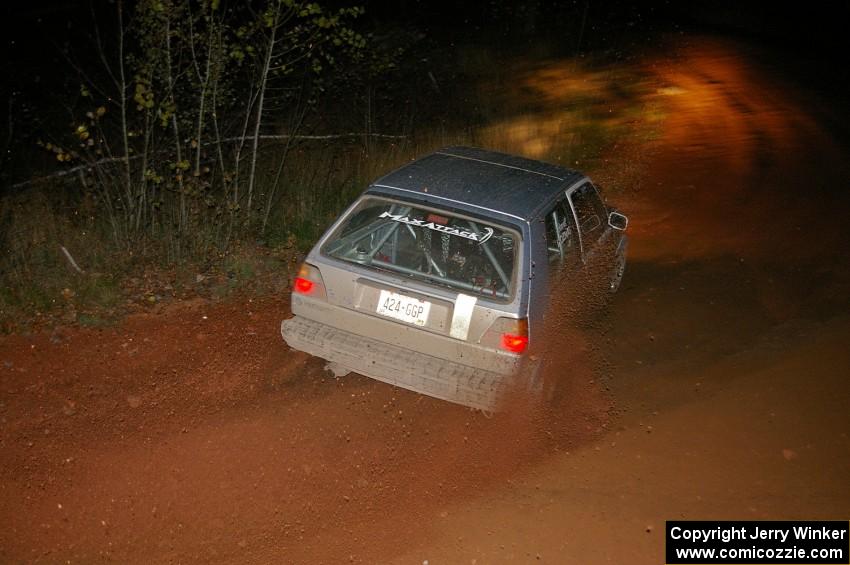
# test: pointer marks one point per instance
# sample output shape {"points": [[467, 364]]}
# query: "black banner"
{"points": [[696, 542]]}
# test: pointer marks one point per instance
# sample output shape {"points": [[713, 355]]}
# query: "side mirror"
{"points": [[618, 221]]}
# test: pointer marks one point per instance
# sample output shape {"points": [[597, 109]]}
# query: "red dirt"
{"points": [[196, 435]]}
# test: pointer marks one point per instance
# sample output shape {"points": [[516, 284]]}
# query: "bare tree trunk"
{"points": [[204, 80], [297, 120], [100, 185], [216, 38], [181, 223], [217, 132], [237, 158], [368, 119], [125, 133], [270, 201], [141, 212], [264, 77]]}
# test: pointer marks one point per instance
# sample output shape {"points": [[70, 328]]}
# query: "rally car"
{"points": [[437, 279]]}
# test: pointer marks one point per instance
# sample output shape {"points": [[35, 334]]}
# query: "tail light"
{"points": [[308, 282], [514, 343], [508, 334]]}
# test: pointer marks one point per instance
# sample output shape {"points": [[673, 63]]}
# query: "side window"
{"points": [[561, 234], [590, 212]]}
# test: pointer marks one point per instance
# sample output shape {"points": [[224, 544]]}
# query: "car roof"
{"points": [[475, 179]]}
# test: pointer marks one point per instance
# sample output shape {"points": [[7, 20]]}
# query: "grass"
{"points": [[91, 321]]}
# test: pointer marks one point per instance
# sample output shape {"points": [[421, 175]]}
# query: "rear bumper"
{"points": [[477, 388]]}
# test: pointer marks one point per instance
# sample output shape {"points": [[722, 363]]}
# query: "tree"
{"points": [[171, 141]]}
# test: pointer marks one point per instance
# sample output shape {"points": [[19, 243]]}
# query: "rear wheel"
{"points": [[617, 273]]}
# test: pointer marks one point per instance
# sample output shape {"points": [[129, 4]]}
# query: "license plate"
{"points": [[403, 308]]}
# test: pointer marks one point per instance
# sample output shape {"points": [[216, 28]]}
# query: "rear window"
{"points": [[430, 245]]}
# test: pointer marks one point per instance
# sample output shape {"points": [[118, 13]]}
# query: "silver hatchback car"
{"points": [[438, 277]]}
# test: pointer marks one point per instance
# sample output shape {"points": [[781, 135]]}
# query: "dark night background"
{"points": [[806, 41]]}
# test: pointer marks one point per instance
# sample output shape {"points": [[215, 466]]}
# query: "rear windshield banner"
{"points": [[479, 237]]}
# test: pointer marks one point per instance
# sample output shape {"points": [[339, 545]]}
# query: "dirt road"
{"points": [[716, 388]]}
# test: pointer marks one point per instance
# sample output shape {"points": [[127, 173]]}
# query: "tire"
{"points": [[617, 273]]}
